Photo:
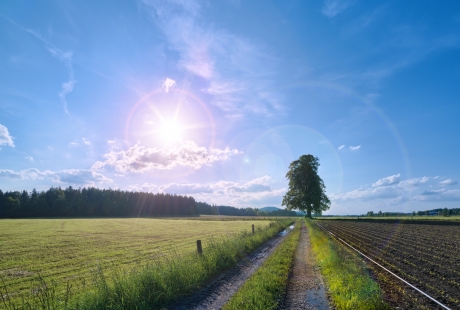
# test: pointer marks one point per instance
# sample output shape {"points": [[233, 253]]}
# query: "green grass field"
{"points": [[66, 250]]}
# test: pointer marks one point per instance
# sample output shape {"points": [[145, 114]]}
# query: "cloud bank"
{"points": [[393, 179], [391, 191], [71, 176], [139, 158], [439, 195], [221, 188], [254, 193], [448, 182]]}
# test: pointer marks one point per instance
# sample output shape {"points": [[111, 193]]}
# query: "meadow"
{"points": [[66, 252]]}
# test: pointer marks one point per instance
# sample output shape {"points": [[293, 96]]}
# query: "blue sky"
{"points": [[215, 99]]}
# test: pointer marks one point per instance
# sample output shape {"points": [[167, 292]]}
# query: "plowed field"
{"points": [[426, 255]]}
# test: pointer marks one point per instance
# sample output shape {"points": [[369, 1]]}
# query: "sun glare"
{"points": [[170, 131]]}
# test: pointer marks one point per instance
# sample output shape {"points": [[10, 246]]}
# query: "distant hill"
{"points": [[279, 211], [269, 209]]}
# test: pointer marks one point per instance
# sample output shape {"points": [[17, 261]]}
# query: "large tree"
{"points": [[307, 191]]}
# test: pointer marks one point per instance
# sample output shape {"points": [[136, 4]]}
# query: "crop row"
{"points": [[425, 255]]}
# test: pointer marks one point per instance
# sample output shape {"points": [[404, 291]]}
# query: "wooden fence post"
{"points": [[198, 247], [253, 229]]}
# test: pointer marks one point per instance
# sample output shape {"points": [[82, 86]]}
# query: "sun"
{"points": [[171, 131]]}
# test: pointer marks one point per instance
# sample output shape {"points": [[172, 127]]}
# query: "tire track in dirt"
{"points": [[305, 289], [218, 292]]}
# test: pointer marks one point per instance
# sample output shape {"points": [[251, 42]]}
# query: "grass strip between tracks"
{"points": [[349, 282], [264, 289]]}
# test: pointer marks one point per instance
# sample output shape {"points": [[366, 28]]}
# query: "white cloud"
{"points": [[80, 177], [145, 187], [221, 188], [448, 182], [388, 190], [168, 84], [139, 158], [341, 147], [439, 195], [414, 182], [70, 176], [368, 193], [354, 148], [10, 174], [67, 87], [30, 158], [254, 193], [186, 188], [433, 192], [333, 7], [393, 179], [393, 194], [5, 138], [237, 73], [77, 142]]}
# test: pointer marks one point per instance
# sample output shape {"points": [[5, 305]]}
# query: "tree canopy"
{"points": [[307, 191]]}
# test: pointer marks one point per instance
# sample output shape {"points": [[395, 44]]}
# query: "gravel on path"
{"points": [[218, 292], [305, 288]]}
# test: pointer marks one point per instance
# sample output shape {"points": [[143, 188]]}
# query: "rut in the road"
{"points": [[216, 294], [305, 288]]}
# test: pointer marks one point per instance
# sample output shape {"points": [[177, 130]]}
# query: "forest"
{"points": [[93, 202]]}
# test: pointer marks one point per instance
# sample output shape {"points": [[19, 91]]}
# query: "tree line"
{"points": [[279, 212], [93, 202], [207, 209], [442, 212]]}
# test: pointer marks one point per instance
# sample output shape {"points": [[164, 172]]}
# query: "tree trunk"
{"points": [[309, 213]]}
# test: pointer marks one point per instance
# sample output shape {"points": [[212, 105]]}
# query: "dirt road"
{"points": [[217, 293], [305, 288]]}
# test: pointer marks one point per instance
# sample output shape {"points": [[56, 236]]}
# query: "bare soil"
{"points": [[423, 253]]}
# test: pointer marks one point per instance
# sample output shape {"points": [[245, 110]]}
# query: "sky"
{"points": [[214, 99]]}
